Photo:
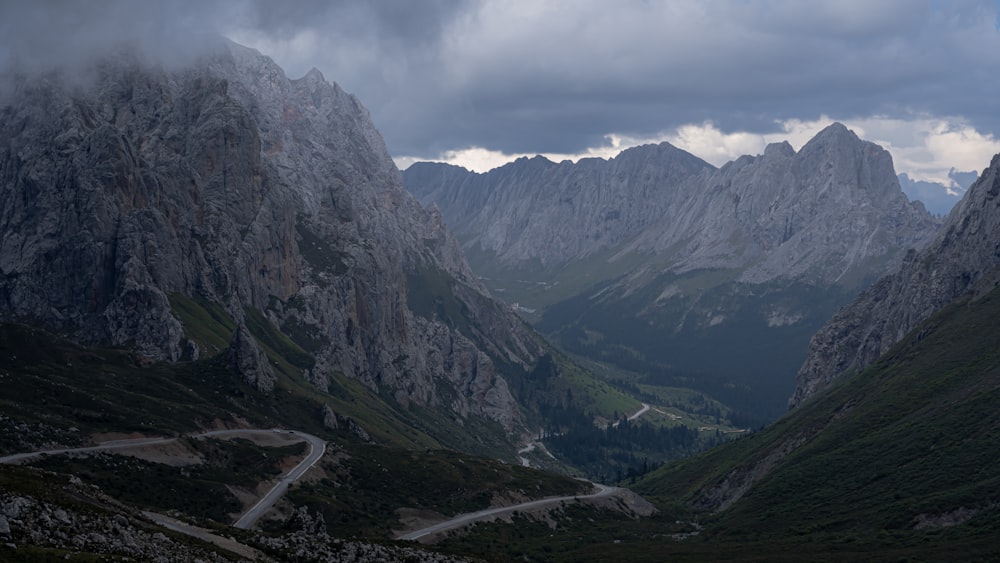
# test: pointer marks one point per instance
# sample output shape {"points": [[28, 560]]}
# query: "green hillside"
{"points": [[58, 392], [897, 463], [901, 457]]}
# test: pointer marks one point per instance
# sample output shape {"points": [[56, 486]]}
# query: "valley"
{"points": [[232, 329], [685, 274]]}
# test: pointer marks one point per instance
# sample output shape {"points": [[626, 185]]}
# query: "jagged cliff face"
{"points": [[229, 181], [820, 213], [534, 209], [964, 257], [700, 272]]}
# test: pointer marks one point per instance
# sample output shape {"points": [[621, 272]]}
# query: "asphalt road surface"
{"points": [[113, 445], [317, 447], [463, 519]]}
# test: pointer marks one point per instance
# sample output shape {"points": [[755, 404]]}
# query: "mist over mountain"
{"points": [[659, 262]]}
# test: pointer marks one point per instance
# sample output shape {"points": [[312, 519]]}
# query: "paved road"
{"points": [[645, 408], [463, 519], [317, 447], [640, 412], [112, 445], [203, 534]]}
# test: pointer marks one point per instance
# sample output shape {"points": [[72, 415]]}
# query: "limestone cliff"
{"points": [[228, 181], [535, 209], [821, 213], [964, 257]]}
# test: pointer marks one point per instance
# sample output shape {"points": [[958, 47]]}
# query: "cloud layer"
{"points": [[479, 78]]}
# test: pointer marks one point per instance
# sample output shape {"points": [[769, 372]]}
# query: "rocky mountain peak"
{"points": [[275, 199], [685, 255], [315, 76], [779, 150], [835, 133], [960, 259]]}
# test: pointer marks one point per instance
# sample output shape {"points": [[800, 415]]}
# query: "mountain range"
{"points": [[660, 263], [216, 246]]}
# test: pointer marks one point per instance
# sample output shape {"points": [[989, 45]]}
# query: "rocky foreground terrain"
{"points": [[35, 526]]}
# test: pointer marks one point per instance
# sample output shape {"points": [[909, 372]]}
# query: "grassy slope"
{"points": [[363, 494], [537, 287], [58, 391], [641, 332], [201, 490], [81, 502], [913, 435]]}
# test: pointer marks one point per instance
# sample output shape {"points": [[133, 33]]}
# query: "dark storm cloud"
{"points": [[42, 35], [558, 75], [741, 64], [405, 22]]}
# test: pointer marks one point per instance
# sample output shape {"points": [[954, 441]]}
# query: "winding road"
{"points": [[645, 408], [317, 447], [463, 519]]}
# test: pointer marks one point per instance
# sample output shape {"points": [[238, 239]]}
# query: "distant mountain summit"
{"points": [[894, 459], [552, 213], [963, 258], [661, 263]]}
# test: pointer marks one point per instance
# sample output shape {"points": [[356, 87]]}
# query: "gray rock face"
{"points": [[229, 181], [824, 214], [534, 209], [693, 273], [831, 214], [963, 257], [246, 357]]}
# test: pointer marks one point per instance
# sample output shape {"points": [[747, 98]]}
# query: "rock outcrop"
{"points": [[963, 257], [246, 357], [72, 522], [227, 181]]}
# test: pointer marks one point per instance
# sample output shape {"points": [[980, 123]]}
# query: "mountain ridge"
{"points": [[271, 198], [962, 258], [685, 259]]}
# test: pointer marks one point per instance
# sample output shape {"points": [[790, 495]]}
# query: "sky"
{"points": [[480, 82]]}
